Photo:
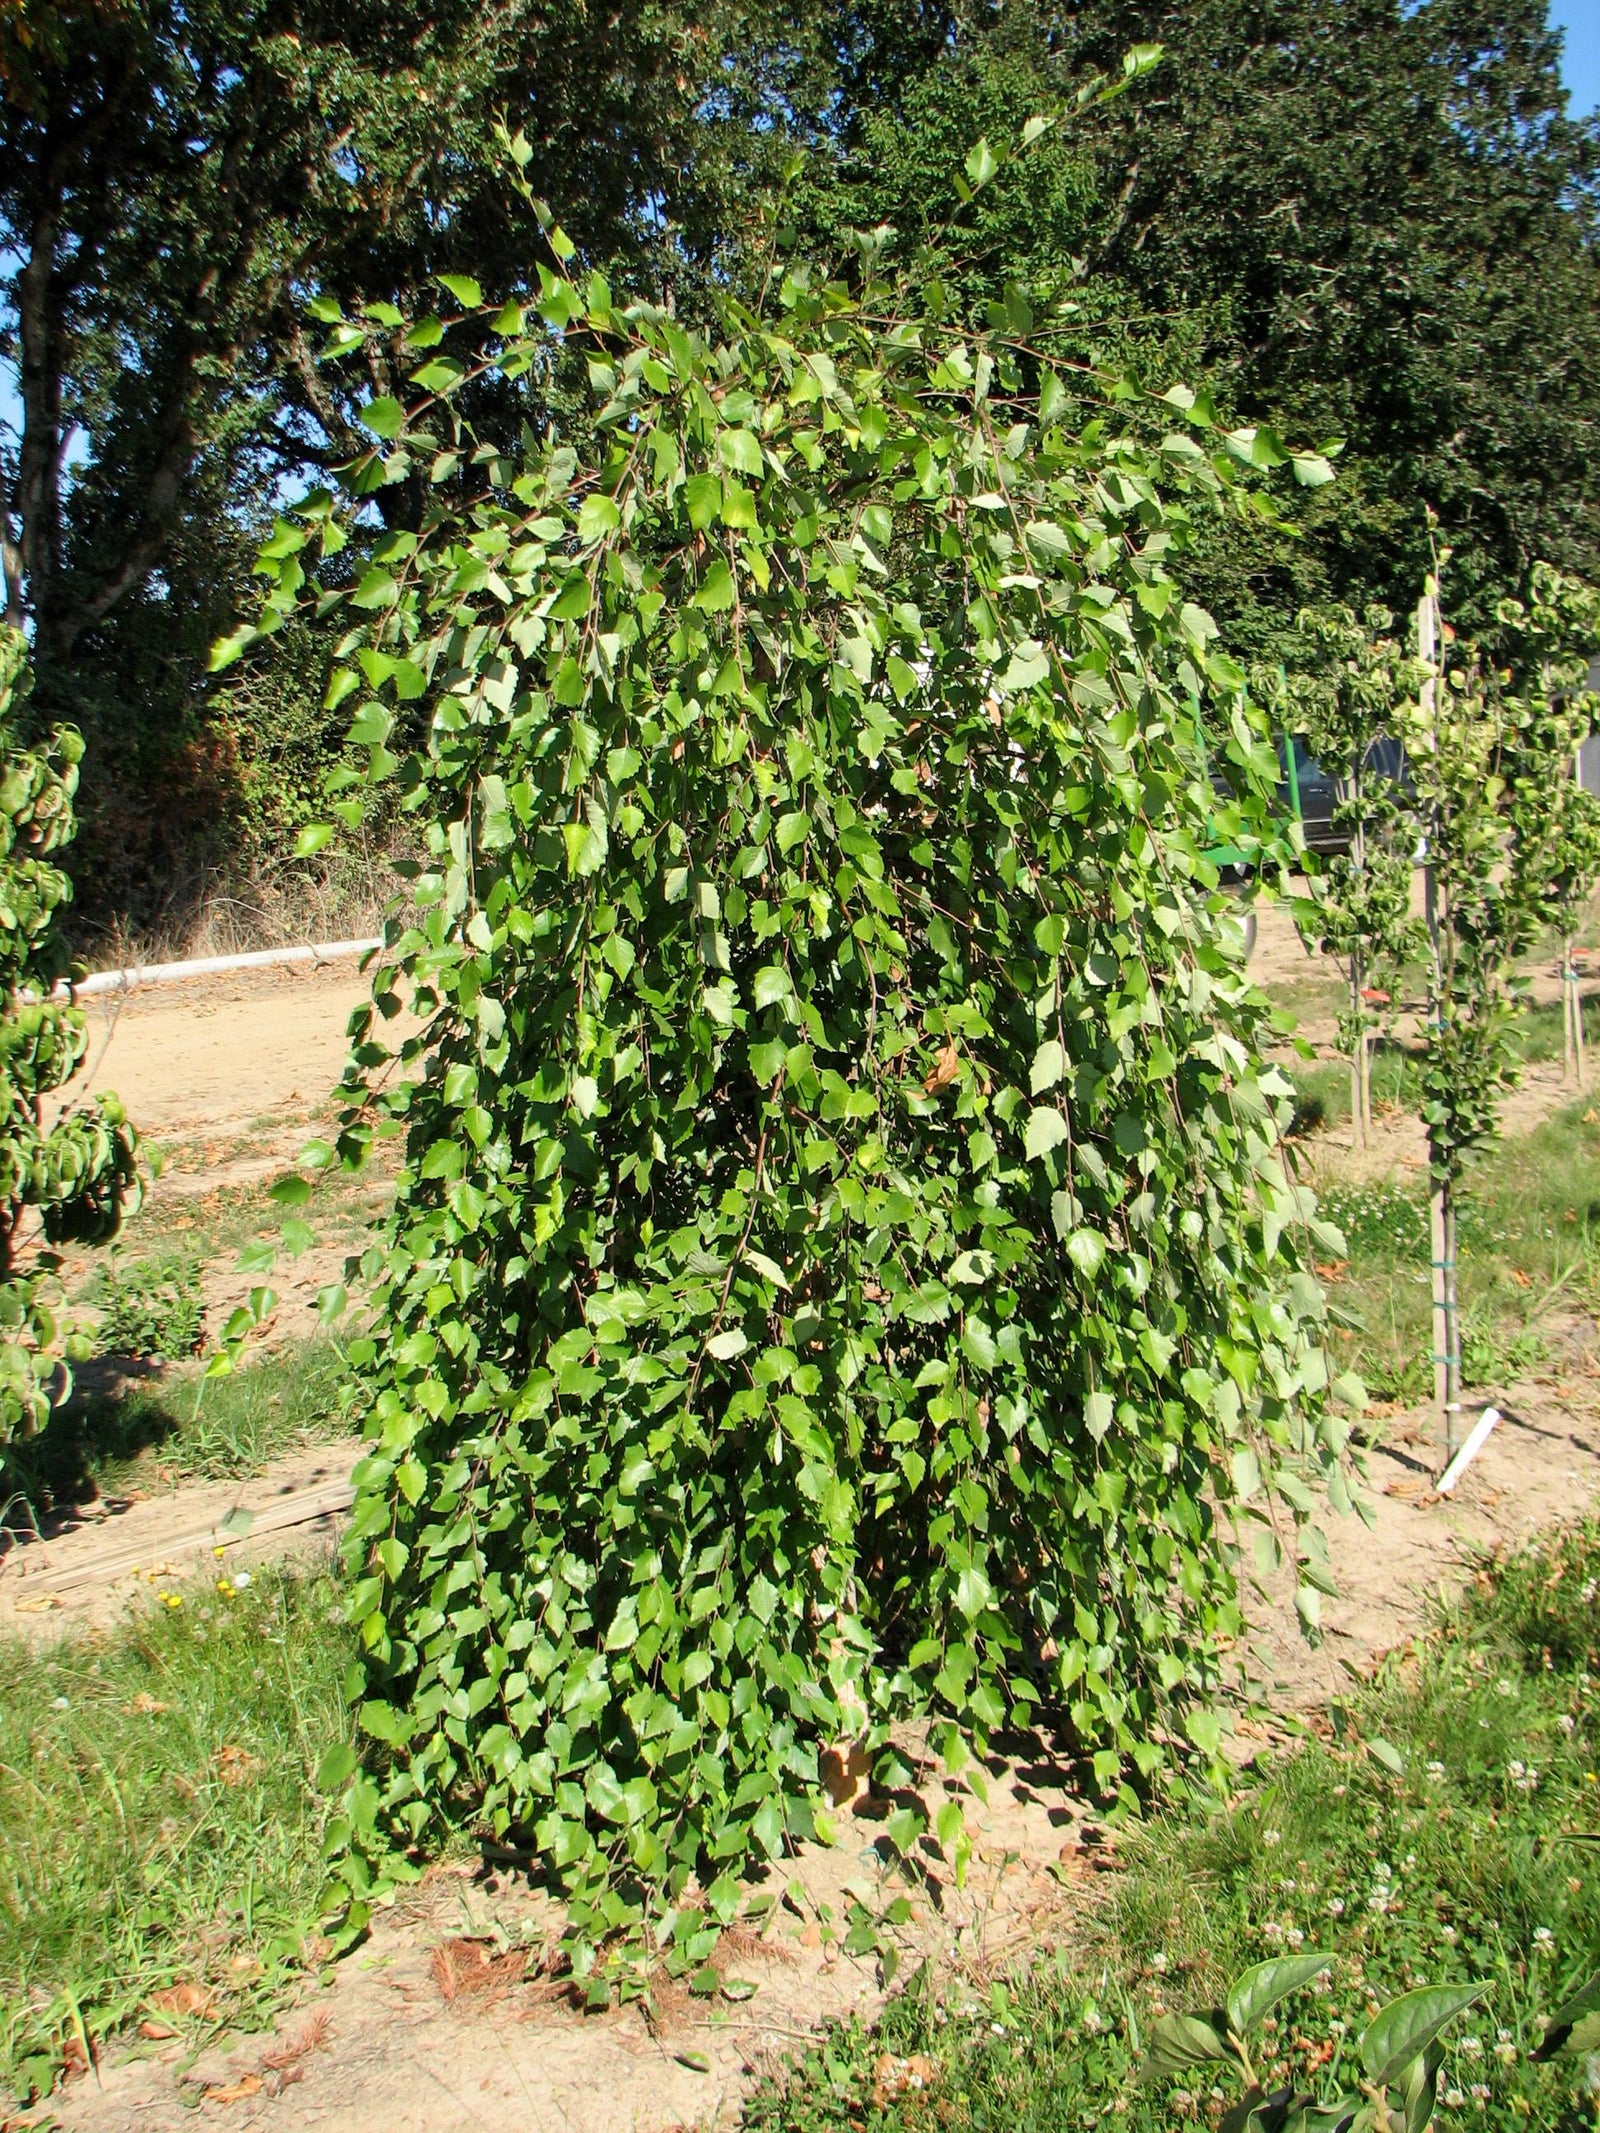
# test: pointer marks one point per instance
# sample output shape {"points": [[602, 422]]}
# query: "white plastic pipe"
{"points": [[1469, 1451], [210, 966]]}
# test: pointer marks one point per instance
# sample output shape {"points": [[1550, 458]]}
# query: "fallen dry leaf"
{"points": [[233, 2091], [311, 2038], [461, 1966], [893, 2076], [237, 1766], [155, 2032], [1331, 1269], [846, 1773], [1522, 1280], [184, 1998], [144, 1705]]}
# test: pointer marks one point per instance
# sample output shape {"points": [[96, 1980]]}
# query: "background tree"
{"points": [[1387, 221], [1491, 752], [175, 181], [1356, 219], [1346, 700], [1558, 823]]}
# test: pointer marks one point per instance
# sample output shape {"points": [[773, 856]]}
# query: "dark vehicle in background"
{"points": [[1311, 794]]}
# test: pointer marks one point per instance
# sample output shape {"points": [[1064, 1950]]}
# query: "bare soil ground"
{"points": [[227, 1078], [448, 2018]]}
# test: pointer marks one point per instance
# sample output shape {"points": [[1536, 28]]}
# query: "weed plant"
{"points": [[151, 1309]]}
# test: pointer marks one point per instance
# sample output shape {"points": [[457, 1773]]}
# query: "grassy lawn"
{"points": [[1529, 1230], [151, 1432], [1528, 1242], [161, 1821], [1446, 1873]]}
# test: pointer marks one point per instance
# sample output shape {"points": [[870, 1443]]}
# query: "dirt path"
{"points": [[203, 1063], [110, 1555]]}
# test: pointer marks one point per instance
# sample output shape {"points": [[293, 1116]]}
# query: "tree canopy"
{"points": [[1356, 220], [842, 1266]]}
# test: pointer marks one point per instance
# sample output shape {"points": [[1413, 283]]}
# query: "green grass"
{"points": [[160, 1815], [1530, 1208], [1444, 1874], [174, 1427]]}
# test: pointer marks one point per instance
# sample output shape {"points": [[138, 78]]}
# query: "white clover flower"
{"points": [[1336, 1907], [1517, 1769], [1543, 1939], [1472, 2047], [1454, 2098], [1504, 1688], [1480, 2092], [1294, 1937], [1566, 1722], [1434, 1770], [1272, 1836]]}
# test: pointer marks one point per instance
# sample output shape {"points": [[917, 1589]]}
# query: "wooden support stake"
{"points": [[1441, 1215]]}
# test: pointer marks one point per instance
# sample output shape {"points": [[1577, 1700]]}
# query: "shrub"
{"points": [[152, 1309], [76, 1170], [843, 1269]]}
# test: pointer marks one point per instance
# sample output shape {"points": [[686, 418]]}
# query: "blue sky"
{"points": [[1581, 67]]}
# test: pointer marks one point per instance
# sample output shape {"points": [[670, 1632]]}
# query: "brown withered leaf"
{"points": [[946, 1066], [892, 2076], [234, 2091], [237, 1766], [310, 2038], [185, 1998], [461, 1966]]}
